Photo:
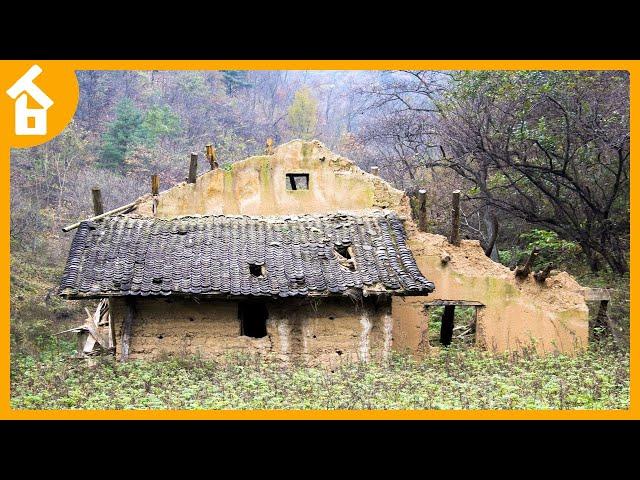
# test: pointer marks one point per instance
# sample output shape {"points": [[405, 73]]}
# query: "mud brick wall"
{"points": [[322, 331]]}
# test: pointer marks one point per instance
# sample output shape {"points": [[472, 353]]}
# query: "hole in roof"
{"points": [[297, 181], [257, 269], [344, 255]]}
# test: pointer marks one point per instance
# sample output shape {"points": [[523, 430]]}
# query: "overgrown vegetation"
{"points": [[453, 379]]}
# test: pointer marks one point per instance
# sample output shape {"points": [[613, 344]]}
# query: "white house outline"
{"points": [[18, 92]]}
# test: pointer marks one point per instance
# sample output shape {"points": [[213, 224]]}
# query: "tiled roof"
{"points": [[211, 255]]}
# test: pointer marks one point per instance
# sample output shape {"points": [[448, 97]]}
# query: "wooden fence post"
{"points": [[211, 155], [155, 189], [98, 208], [422, 210], [455, 218], [193, 168]]}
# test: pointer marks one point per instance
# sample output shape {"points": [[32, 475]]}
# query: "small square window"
{"points": [[297, 181]]}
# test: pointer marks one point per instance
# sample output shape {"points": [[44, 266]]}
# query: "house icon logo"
{"points": [[30, 121]]}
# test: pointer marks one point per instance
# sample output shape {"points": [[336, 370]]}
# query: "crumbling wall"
{"points": [[517, 314], [258, 186], [321, 331]]}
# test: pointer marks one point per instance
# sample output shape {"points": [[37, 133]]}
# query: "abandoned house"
{"points": [[300, 254]]}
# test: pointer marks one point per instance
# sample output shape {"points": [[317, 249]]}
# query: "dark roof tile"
{"points": [[210, 255]]}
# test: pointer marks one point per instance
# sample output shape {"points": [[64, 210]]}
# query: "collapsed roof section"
{"points": [[221, 255]]}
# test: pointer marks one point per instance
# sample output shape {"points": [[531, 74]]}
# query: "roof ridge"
{"points": [[345, 213]]}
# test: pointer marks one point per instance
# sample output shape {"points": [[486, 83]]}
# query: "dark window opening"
{"points": [[452, 325], [344, 254], [257, 269], [253, 319], [297, 181]]}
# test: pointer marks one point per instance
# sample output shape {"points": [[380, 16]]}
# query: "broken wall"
{"points": [[517, 314], [323, 331], [258, 186]]}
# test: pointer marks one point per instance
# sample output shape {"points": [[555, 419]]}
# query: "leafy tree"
{"points": [[303, 114], [159, 122], [550, 148], [234, 80], [122, 134]]}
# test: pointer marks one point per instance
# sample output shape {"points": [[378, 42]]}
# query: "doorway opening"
{"points": [[452, 322], [253, 319]]}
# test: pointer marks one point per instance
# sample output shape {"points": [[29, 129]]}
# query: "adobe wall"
{"points": [[325, 331], [553, 315], [257, 186]]}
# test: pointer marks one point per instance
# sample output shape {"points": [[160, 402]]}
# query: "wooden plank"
{"points": [[126, 328], [89, 344], [461, 303], [73, 330], [93, 331], [98, 217]]}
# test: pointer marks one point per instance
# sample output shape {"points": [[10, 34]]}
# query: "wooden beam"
{"points": [[523, 271], [126, 328], [422, 210], [98, 217], [455, 218], [446, 329], [193, 168], [461, 303], [98, 209]]}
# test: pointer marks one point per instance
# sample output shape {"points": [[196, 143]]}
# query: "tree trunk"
{"points": [[492, 226]]}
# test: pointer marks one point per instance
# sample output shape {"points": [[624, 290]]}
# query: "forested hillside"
{"points": [[542, 159]]}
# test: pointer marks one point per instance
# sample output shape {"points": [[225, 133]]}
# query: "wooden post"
{"points": [[455, 218], [155, 189], [211, 155], [155, 184], [446, 329], [112, 328], [98, 209], [126, 328], [193, 168], [523, 271], [542, 275], [268, 149], [422, 210], [375, 171]]}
